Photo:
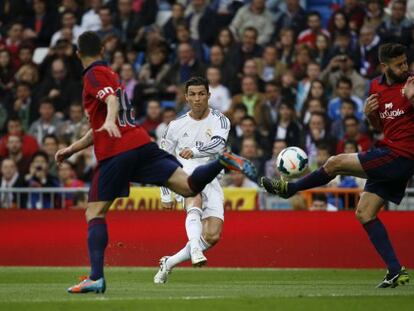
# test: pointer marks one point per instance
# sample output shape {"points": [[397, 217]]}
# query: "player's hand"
{"points": [[371, 104], [186, 153], [111, 128], [63, 154], [168, 205], [408, 89]]}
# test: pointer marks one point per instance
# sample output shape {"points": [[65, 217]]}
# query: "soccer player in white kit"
{"points": [[195, 138]]}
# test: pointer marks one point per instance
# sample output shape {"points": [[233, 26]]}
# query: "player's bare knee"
{"points": [[211, 238], [333, 165], [363, 216]]}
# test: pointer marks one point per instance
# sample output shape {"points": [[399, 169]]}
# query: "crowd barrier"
{"points": [[148, 198], [250, 239]]}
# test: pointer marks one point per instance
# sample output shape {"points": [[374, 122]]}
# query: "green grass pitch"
{"points": [[209, 289]]}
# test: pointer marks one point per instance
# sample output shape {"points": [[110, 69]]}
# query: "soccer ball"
{"points": [[292, 162]]}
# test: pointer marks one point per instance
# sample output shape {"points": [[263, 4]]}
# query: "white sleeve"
{"points": [[165, 195], [168, 142], [218, 139]]}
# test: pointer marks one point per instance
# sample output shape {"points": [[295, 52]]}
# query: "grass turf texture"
{"points": [[24, 288]]}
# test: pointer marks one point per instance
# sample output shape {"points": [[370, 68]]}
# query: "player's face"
{"points": [[397, 69], [197, 97]]}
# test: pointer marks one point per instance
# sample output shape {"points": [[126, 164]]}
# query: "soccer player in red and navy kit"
{"points": [[125, 154], [387, 167]]}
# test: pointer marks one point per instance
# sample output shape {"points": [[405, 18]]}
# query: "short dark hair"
{"points": [[46, 100], [354, 118], [388, 51], [89, 44], [47, 136], [248, 118], [196, 81], [343, 79], [351, 102]]}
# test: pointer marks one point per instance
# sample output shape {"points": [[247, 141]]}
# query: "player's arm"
{"points": [[109, 125], [371, 112], [83, 143], [408, 89], [215, 146]]}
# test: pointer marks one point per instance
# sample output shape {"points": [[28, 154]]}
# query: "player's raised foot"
{"points": [[162, 275], [401, 278], [237, 163], [275, 186], [197, 257], [88, 286]]}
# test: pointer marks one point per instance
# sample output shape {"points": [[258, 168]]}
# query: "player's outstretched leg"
{"points": [[194, 228]]}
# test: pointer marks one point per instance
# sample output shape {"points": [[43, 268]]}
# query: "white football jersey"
{"points": [[204, 137]]}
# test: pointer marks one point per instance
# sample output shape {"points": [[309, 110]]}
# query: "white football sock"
{"points": [[193, 226], [184, 254]]}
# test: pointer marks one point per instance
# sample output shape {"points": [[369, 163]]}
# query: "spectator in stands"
{"points": [[67, 179], [10, 178], [374, 13], [60, 88], [352, 132], [39, 177], [70, 130], [42, 24], [348, 108], [25, 55], [339, 24], [202, 21], [73, 6], [268, 66], [225, 40], [286, 127], [48, 122], [152, 78], [128, 80], [168, 114], [317, 132], [28, 73], [257, 16], [15, 153], [369, 43], [249, 130], [344, 91], [310, 106], [14, 128], [270, 165], [90, 19], [250, 151], [107, 26], [343, 66], [225, 10], [118, 59], [294, 17], [68, 20], [186, 66], [248, 48], [322, 52], [303, 56], [354, 13], [250, 70], [13, 41], [288, 89], [396, 27], [11, 10], [220, 98], [273, 98], [127, 21], [286, 46], [50, 145], [236, 116], [183, 36], [320, 203], [6, 73], [227, 72], [170, 27], [251, 98], [22, 104], [313, 71], [238, 180], [314, 23], [3, 117], [317, 91], [152, 118]]}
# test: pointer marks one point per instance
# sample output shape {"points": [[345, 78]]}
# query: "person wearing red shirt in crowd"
{"points": [[153, 117], [67, 179], [14, 127], [126, 154], [388, 167], [309, 35], [352, 132]]}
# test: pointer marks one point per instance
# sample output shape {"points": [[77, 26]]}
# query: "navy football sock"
{"points": [[379, 237], [97, 242], [315, 179], [203, 175]]}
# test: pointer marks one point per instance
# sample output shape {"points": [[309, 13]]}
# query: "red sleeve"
{"points": [[100, 83]]}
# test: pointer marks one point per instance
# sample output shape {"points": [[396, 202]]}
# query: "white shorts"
{"points": [[212, 201]]}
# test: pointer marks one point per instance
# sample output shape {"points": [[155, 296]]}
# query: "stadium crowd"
{"points": [[275, 69]]}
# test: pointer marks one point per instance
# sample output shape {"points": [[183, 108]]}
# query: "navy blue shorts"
{"points": [[388, 173], [146, 164]]}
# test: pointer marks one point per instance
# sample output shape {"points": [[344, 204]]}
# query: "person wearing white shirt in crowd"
{"points": [[10, 178], [220, 98], [68, 21], [195, 138], [91, 20]]}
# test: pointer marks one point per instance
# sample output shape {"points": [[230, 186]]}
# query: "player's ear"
{"points": [[208, 95], [383, 67]]}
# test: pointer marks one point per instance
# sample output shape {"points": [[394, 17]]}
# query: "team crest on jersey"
{"points": [[209, 133]]}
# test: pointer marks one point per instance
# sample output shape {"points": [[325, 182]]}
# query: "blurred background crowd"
{"points": [[285, 73]]}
